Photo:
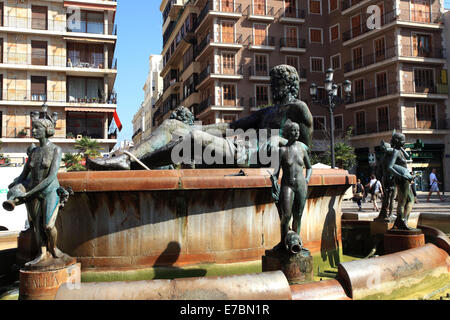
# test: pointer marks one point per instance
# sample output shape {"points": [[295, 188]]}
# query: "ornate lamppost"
{"points": [[331, 103]]}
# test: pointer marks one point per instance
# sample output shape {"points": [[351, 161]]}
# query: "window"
{"points": [[339, 122], [290, 9], [81, 55], [261, 65], [1, 50], [381, 83], [292, 61], [228, 63], [420, 10], [317, 64], [38, 88], [336, 61], [1, 14], [260, 36], [319, 123], [1, 124], [86, 124], [85, 89], [90, 22], [383, 119], [356, 26], [315, 6], [359, 89], [333, 5], [315, 35], [426, 116], [422, 45], [259, 7], [334, 33], [227, 5], [39, 53], [380, 49], [360, 119], [227, 32], [229, 95], [424, 80], [39, 17], [262, 95], [291, 37], [357, 58]]}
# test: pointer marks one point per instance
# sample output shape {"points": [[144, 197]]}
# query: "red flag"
{"points": [[117, 120]]}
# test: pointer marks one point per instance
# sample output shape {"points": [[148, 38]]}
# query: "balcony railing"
{"points": [[426, 122], [261, 40], [291, 13], [376, 127], [35, 59], [260, 10], [52, 96], [424, 86], [219, 37], [424, 52], [367, 60], [205, 104], [379, 91], [235, 70], [209, 6], [293, 43], [263, 71], [388, 17], [259, 102]]}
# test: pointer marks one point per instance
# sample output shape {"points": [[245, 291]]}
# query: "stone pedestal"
{"points": [[380, 227], [396, 240], [297, 268], [43, 284]]}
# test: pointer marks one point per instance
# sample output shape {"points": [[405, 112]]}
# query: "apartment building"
{"points": [[60, 53], [217, 55], [143, 119]]}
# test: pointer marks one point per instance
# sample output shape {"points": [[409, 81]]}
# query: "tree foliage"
{"points": [[87, 148]]}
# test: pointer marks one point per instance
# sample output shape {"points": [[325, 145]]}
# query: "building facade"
{"points": [[60, 53], [217, 55], [143, 119]]}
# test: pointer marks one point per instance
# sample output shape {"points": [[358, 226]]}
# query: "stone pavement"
{"points": [[435, 205]]}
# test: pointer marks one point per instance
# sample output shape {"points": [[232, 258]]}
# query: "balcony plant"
{"points": [[22, 133], [70, 135]]}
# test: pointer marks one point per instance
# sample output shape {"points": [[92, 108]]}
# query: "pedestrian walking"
{"points": [[358, 193], [376, 191], [434, 185]]}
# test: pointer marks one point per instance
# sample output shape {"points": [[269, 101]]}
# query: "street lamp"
{"points": [[331, 103]]}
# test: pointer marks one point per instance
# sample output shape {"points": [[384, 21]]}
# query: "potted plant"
{"points": [[22, 133], [70, 135]]}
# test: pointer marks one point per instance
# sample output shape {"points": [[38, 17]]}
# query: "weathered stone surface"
{"points": [[297, 268]]}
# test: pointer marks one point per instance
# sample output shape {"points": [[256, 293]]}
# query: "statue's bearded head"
{"points": [[398, 140], [285, 82]]}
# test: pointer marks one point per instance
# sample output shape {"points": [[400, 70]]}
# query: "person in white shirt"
{"points": [[376, 191], [434, 185]]}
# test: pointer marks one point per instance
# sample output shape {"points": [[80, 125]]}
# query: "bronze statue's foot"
{"points": [[39, 259], [57, 253]]}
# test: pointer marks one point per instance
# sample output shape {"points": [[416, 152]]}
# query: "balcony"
{"points": [[377, 57], [423, 88], [290, 15], [261, 43], [207, 105], [14, 22], [292, 45], [58, 97], [422, 123], [260, 13], [222, 40], [373, 127], [406, 18], [233, 72], [215, 8], [423, 54], [383, 90]]}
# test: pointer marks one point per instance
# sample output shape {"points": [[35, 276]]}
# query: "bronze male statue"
{"points": [[294, 186], [157, 151]]}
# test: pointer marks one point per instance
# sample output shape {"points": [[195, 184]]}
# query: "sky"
{"points": [[139, 27], [447, 4]]}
